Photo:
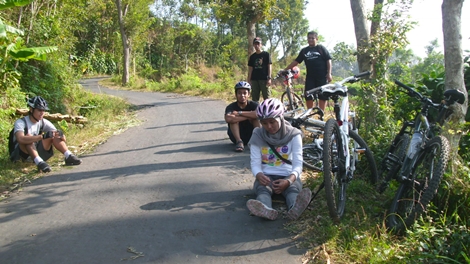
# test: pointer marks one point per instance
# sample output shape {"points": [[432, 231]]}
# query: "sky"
{"points": [[333, 20]]}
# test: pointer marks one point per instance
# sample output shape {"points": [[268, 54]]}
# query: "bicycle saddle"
{"points": [[337, 90], [454, 96]]}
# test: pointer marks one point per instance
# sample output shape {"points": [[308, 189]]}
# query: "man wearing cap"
{"points": [[259, 71], [36, 136]]}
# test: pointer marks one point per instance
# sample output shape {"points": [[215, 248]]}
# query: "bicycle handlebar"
{"points": [[338, 88], [413, 93], [285, 73], [451, 96]]}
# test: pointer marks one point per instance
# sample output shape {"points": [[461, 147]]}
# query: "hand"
{"points": [[48, 134], [280, 185], [269, 82], [329, 78], [263, 179]]}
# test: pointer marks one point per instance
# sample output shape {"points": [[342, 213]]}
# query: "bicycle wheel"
{"points": [[313, 155], [364, 168], [334, 172], [413, 197], [393, 160], [295, 102]]}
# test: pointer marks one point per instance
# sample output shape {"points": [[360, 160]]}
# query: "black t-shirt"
{"points": [[251, 106], [315, 60], [260, 63]]}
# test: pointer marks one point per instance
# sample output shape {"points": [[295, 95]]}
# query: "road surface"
{"points": [[170, 190]]}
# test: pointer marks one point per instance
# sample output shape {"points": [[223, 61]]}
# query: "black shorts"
{"points": [[44, 154], [314, 83]]}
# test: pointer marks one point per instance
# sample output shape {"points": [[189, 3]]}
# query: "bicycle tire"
{"points": [[312, 157], [368, 169], [293, 103], [334, 173], [393, 160], [413, 197]]}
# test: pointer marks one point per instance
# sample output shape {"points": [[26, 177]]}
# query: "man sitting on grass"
{"points": [[36, 136]]}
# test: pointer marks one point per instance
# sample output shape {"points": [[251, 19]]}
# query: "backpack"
{"points": [[12, 139]]}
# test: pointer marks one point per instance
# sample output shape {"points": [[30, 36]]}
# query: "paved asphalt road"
{"points": [[171, 188]]}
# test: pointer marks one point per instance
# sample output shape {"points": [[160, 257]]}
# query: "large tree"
{"points": [[134, 20], [126, 46], [362, 34], [453, 60], [249, 12]]}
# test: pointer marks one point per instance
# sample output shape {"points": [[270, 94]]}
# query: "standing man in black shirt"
{"points": [[318, 62], [259, 71]]}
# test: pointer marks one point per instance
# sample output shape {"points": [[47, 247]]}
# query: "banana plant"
{"points": [[12, 47]]}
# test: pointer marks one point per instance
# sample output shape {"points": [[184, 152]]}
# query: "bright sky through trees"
{"points": [[333, 20]]}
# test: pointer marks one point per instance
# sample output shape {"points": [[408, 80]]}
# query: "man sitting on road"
{"points": [[36, 136], [241, 116]]}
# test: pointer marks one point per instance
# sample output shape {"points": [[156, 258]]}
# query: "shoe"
{"points": [[240, 147], [301, 203], [259, 209], [44, 167], [72, 160]]}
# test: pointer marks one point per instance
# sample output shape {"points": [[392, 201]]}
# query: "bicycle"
{"points": [[289, 98], [417, 159], [312, 152], [339, 148]]}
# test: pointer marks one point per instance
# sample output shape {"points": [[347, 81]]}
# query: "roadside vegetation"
{"points": [[201, 50]]}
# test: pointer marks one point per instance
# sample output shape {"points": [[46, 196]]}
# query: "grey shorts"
{"points": [[44, 154]]}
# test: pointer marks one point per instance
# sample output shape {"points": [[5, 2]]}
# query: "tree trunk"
{"points": [[125, 44], [251, 33], [453, 59], [375, 25], [362, 35]]}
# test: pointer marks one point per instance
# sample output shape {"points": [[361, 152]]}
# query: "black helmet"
{"points": [[242, 85], [38, 102]]}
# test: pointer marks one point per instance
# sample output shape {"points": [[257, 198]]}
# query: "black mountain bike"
{"points": [[417, 159]]}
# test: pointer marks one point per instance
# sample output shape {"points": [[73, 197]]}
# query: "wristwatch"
{"points": [[239, 112], [269, 77], [290, 182]]}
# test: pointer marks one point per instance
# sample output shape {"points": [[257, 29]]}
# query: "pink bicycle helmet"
{"points": [[270, 108]]}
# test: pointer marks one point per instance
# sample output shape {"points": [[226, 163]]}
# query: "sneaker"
{"points": [[301, 203], [44, 167], [259, 209], [72, 160]]}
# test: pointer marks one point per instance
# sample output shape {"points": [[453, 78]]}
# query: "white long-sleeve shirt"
{"points": [[264, 160]]}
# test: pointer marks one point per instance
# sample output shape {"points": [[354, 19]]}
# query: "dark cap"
{"points": [[257, 39]]}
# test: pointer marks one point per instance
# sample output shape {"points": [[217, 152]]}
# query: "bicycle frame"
{"points": [[424, 162], [399, 164], [293, 100], [422, 132], [342, 115]]}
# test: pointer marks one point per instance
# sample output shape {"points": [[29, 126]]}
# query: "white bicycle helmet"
{"points": [[270, 108]]}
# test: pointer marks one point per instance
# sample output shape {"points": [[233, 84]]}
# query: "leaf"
{"points": [[36, 53], [5, 4]]}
